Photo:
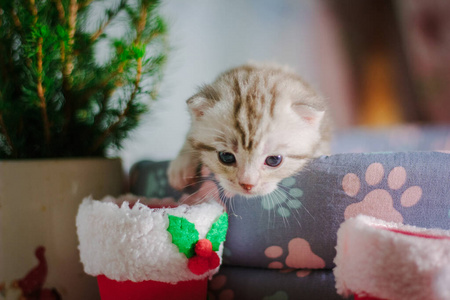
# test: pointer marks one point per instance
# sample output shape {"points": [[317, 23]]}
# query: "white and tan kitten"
{"points": [[252, 127]]}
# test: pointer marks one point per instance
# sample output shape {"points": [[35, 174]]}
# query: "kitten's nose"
{"points": [[246, 187]]}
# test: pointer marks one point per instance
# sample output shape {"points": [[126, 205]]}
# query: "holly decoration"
{"points": [[200, 252]]}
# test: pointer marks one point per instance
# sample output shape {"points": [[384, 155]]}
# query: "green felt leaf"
{"points": [[184, 235], [218, 231]]}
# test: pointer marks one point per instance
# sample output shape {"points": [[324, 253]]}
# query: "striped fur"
{"points": [[253, 111]]}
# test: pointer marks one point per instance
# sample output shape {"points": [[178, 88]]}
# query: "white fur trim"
{"points": [[441, 283], [134, 244], [374, 261]]}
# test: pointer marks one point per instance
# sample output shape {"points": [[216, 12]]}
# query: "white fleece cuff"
{"points": [[391, 260], [126, 243]]}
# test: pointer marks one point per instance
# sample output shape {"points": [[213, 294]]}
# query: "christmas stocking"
{"points": [[382, 260], [138, 252]]}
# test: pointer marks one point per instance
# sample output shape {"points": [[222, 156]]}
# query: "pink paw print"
{"points": [[300, 257], [379, 202], [217, 285]]}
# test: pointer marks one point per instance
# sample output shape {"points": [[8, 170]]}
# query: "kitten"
{"points": [[252, 127]]}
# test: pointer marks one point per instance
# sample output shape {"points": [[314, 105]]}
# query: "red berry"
{"points": [[203, 248], [198, 265], [214, 261]]}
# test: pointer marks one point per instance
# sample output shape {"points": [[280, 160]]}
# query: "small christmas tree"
{"points": [[57, 97]]}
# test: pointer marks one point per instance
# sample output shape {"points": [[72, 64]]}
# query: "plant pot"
{"points": [[139, 252], [39, 200]]}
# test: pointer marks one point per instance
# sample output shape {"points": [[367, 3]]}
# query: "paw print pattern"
{"points": [[217, 286], [300, 256], [379, 202], [284, 199], [156, 183]]}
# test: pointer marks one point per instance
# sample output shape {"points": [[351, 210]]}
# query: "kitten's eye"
{"points": [[274, 160], [227, 158]]}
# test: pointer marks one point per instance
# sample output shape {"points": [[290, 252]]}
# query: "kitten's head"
{"points": [[256, 125]]}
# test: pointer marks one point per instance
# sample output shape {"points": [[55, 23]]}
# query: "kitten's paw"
{"points": [[181, 172]]}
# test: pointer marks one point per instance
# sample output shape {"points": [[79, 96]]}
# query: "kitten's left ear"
{"points": [[308, 114]]}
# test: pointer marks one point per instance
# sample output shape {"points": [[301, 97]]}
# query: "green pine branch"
{"points": [[56, 100]]}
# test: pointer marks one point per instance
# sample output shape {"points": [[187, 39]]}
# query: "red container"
{"points": [[151, 290]]}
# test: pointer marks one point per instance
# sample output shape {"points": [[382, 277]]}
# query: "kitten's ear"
{"points": [[308, 114], [202, 101], [198, 105]]}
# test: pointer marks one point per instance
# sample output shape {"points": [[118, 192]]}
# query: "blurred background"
{"points": [[379, 62]]}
